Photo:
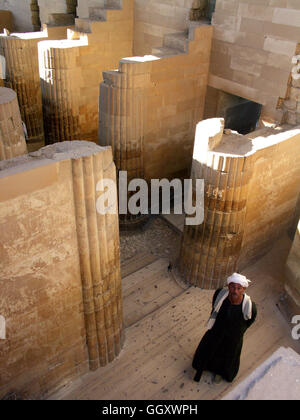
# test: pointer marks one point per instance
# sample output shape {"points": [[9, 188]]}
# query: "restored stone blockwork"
{"points": [[21, 11], [150, 107], [71, 71], [60, 290], [6, 20], [156, 18], [273, 190], [57, 12], [12, 139], [251, 189], [253, 45]]}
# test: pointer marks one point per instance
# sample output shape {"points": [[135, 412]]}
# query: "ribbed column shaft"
{"points": [[98, 239], [121, 122], [22, 75], [210, 251], [60, 91]]}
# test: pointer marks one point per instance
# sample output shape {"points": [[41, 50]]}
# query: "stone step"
{"points": [[83, 25], [113, 4], [178, 41], [195, 24], [61, 19], [97, 14], [165, 52]]}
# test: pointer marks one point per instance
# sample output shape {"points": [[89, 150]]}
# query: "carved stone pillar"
{"points": [[121, 122], [99, 252], [12, 139], [22, 75], [210, 251], [60, 90]]}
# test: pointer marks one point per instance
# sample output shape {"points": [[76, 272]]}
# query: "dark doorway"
{"points": [[243, 117]]}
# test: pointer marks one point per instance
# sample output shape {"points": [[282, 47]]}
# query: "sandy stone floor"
{"points": [[165, 320], [157, 238]]}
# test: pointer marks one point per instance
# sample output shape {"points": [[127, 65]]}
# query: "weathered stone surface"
{"points": [[275, 379], [245, 209], [60, 268], [22, 75], [12, 139], [150, 106], [71, 70], [252, 51]]}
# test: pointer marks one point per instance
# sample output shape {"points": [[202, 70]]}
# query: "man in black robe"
{"points": [[220, 349]]}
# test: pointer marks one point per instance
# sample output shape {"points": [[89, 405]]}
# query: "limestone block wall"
{"points": [[6, 20], [156, 18], [22, 75], [12, 139], [71, 71], [49, 7], [57, 12], [21, 12], [253, 45], [60, 268], [83, 6], [275, 187], [150, 106], [251, 191]]}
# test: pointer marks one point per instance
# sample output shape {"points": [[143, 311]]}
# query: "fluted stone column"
{"points": [[210, 251], [122, 119], [60, 83], [22, 75], [98, 241], [12, 139], [99, 252]]}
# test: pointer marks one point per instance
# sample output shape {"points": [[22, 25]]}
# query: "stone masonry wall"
{"points": [[251, 190], [151, 106], [22, 75], [274, 187], [60, 291], [71, 71], [253, 45], [21, 14], [156, 18], [6, 20]]}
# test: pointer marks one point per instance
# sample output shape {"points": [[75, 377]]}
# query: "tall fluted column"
{"points": [[12, 139], [210, 251], [99, 252], [122, 119], [22, 75], [60, 83]]}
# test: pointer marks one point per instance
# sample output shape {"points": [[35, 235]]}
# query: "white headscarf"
{"points": [[239, 279]]}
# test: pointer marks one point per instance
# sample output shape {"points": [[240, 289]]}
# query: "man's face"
{"points": [[236, 291]]}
